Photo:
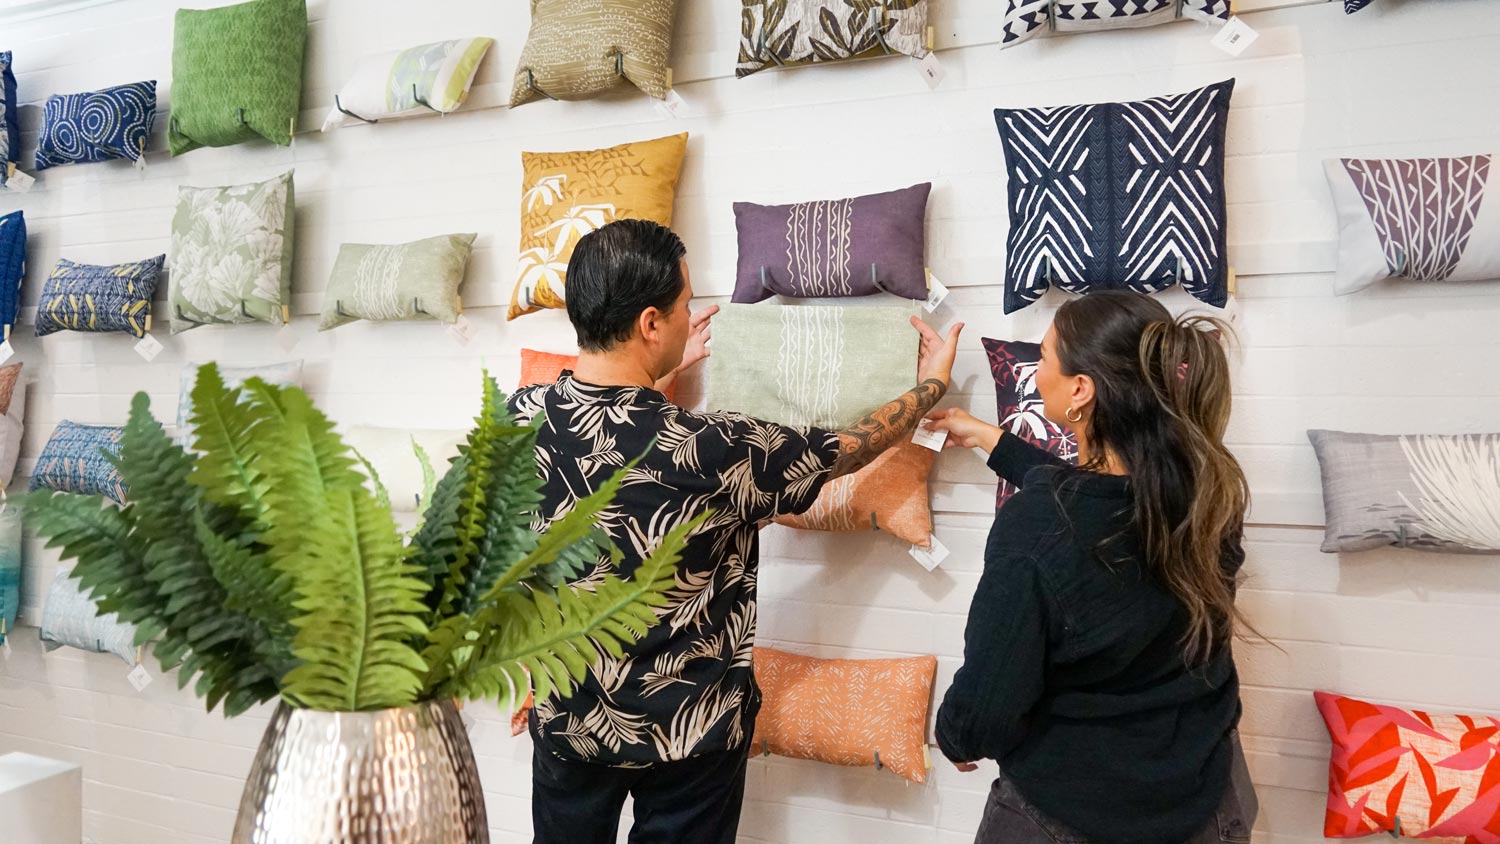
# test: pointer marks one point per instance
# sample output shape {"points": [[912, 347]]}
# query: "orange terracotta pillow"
{"points": [[9, 375], [545, 367], [845, 711], [893, 489]]}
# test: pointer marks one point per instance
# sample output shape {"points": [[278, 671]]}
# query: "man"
{"points": [[668, 723]]}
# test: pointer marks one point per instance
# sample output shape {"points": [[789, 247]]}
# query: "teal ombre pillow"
{"points": [[10, 567]]}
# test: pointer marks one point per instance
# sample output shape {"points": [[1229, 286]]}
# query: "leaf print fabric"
{"points": [[388, 84], [1434, 776], [231, 253], [794, 32], [688, 687], [1018, 404], [86, 297]]}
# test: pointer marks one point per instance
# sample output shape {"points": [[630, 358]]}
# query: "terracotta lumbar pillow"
{"points": [[545, 368], [889, 494], [853, 712]]}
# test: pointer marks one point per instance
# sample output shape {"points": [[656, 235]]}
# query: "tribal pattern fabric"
{"points": [[10, 119], [1423, 209], [1025, 19], [97, 125], [1019, 404], [1117, 195], [12, 264], [76, 459], [86, 297]]}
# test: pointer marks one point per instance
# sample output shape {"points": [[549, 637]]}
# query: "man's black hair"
{"points": [[616, 273]]}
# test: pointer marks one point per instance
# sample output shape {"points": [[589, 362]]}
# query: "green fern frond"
{"points": [[429, 481], [224, 427]]}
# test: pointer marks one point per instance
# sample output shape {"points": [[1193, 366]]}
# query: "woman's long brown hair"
{"points": [[1161, 405]]}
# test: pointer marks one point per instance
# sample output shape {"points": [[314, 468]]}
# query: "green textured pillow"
{"points": [[237, 74], [827, 366], [231, 258], [417, 280]]}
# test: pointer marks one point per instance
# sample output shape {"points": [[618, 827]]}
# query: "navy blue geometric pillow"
{"points": [[1352, 6], [12, 266], [1117, 195], [10, 122], [88, 297], [97, 125]]}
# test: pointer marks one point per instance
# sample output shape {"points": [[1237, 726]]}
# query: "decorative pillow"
{"points": [[794, 32], [569, 194], [11, 423], [97, 125], [545, 368], [237, 74], [405, 83], [232, 253], [1410, 773], [890, 494], [10, 568], [86, 297], [12, 267], [71, 619], [1018, 404], [1024, 19], [579, 49], [10, 382], [417, 280], [1352, 6], [390, 451], [1418, 218], [825, 366], [854, 712], [285, 374], [1117, 195], [841, 247], [1432, 493], [10, 121], [76, 458]]}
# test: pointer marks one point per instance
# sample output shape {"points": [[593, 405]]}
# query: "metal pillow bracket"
{"points": [[875, 280], [340, 107], [531, 83], [416, 97]]}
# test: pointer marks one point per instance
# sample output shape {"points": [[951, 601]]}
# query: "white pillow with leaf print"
{"points": [[398, 83], [231, 258], [391, 454]]}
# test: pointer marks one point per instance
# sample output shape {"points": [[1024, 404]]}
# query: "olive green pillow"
{"points": [[231, 258], [579, 49], [417, 280], [237, 74]]}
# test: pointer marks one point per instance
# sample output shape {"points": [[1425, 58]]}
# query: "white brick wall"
{"points": [[1398, 79]]}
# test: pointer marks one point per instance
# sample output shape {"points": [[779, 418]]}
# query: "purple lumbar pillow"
{"points": [[828, 248]]}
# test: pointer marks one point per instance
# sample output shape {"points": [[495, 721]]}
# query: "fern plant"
{"points": [[266, 565]]}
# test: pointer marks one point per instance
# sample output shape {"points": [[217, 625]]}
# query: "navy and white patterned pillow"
{"points": [[97, 125], [1352, 6], [1025, 19], [10, 123], [89, 297], [73, 460], [12, 265], [1117, 195]]}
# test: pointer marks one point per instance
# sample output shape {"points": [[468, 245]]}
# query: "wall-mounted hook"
{"points": [[1047, 269], [879, 765], [245, 310], [877, 22], [764, 40], [416, 306], [1400, 267], [875, 280], [619, 62], [340, 106], [242, 117], [873, 524], [183, 317], [531, 83], [418, 98], [764, 282], [765, 747], [338, 308]]}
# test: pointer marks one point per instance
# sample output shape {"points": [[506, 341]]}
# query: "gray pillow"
{"points": [[1428, 492], [417, 280], [838, 247]]}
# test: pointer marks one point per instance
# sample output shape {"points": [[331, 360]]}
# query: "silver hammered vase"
{"points": [[394, 776]]}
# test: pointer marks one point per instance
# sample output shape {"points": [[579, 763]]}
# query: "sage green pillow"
{"points": [[809, 364], [237, 74], [417, 280], [231, 258]]}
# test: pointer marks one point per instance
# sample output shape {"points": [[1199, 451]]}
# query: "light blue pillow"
{"points": [[72, 620], [10, 568], [73, 460], [288, 374], [10, 123], [97, 125], [12, 265]]}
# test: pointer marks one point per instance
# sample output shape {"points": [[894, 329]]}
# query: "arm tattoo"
{"points": [[863, 441]]}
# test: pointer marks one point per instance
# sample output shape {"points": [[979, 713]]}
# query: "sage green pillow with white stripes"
{"points": [[417, 280]]}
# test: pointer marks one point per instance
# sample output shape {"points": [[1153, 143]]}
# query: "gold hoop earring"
{"points": [[1068, 414]]}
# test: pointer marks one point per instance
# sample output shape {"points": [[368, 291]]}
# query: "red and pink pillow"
{"points": [[1019, 405], [1432, 776]]}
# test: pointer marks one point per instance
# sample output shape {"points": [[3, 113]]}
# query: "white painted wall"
{"points": [[1400, 78]]}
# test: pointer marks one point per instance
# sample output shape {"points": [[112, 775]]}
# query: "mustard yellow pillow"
{"points": [[569, 194]]}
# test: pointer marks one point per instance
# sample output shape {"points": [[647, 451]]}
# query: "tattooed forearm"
{"points": [[863, 441]]}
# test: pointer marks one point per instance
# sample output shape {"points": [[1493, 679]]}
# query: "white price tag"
{"points": [[149, 347], [936, 293], [460, 330], [5, 647], [19, 182], [139, 677], [673, 106], [932, 556], [1234, 36], [929, 439], [931, 70], [6, 351]]}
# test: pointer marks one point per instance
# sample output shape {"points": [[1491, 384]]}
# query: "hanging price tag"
{"points": [[460, 330], [139, 677], [929, 439], [673, 106], [149, 347], [936, 293], [931, 70], [932, 556], [6, 351], [1234, 36], [19, 182]]}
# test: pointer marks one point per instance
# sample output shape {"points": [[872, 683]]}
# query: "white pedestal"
{"points": [[41, 800]]}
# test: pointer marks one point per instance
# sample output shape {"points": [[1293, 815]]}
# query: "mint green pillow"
{"points": [[237, 74], [231, 258], [417, 280]]}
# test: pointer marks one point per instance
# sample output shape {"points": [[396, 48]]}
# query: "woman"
{"points": [[1097, 667]]}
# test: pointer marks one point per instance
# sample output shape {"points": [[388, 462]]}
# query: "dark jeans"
{"points": [[1010, 819], [695, 801]]}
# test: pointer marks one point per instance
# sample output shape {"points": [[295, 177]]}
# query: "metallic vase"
{"points": [[395, 776]]}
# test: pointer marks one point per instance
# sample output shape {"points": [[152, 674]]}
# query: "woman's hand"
{"points": [[964, 431]]}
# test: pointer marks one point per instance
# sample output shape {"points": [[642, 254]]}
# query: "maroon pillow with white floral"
{"points": [[1019, 405]]}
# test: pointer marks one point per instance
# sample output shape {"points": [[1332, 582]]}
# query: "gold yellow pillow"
{"points": [[569, 194]]}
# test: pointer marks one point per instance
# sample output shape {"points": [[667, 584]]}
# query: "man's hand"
{"points": [[935, 356], [964, 431], [700, 333]]}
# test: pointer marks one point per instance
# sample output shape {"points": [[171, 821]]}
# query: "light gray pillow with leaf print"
{"points": [[71, 619], [231, 258], [288, 374], [417, 280], [1426, 492]]}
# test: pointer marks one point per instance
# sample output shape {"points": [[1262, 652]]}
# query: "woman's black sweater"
{"points": [[1073, 676]]}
